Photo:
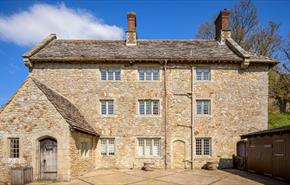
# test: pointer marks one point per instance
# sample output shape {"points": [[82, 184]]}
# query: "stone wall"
{"points": [[81, 164], [31, 117], [239, 106], [238, 99], [81, 84]]}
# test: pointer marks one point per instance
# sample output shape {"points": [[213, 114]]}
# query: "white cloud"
{"points": [[30, 27]]}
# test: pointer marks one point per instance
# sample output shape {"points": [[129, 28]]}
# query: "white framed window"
{"points": [[14, 147], [148, 73], [148, 107], [110, 73], [202, 73], [107, 146], [203, 146], [84, 147], [203, 107], [148, 147], [107, 107]]}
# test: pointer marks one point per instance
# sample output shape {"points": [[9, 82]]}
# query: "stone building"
{"points": [[119, 103]]}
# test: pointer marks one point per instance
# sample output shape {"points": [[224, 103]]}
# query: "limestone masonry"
{"points": [[116, 104]]}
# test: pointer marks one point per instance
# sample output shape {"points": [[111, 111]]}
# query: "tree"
{"points": [[243, 20], [246, 30], [262, 40], [279, 88], [279, 78], [206, 31]]}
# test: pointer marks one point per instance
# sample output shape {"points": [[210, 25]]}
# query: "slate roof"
{"points": [[53, 49], [145, 49], [269, 131], [67, 110]]}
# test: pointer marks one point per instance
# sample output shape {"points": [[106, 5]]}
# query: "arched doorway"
{"points": [[178, 154], [48, 158]]}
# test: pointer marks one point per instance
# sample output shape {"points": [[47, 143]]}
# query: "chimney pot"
{"points": [[222, 26], [131, 35]]}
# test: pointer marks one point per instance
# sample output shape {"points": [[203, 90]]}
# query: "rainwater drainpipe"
{"points": [[192, 115], [165, 113]]}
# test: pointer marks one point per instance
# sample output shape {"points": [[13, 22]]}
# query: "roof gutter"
{"points": [[131, 60]]}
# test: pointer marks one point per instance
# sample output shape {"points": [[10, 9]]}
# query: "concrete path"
{"points": [[168, 177]]}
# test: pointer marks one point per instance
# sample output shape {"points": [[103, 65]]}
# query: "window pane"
{"points": [[111, 146], [140, 147], [198, 149], [156, 147], [103, 74], [141, 74], [205, 107], [110, 107], [110, 74], [199, 107], [148, 74], [205, 75], [148, 148], [103, 107], [155, 74], [141, 107], [206, 147], [117, 74], [148, 107], [202, 74], [14, 147], [103, 146], [198, 75], [156, 107]]}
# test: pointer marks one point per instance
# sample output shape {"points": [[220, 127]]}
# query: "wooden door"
{"points": [[280, 157], [178, 154], [266, 157], [241, 155], [48, 159]]}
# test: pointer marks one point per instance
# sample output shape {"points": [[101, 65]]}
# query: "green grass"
{"points": [[279, 119]]}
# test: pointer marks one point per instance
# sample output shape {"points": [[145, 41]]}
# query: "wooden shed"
{"points": [[268, 152]]}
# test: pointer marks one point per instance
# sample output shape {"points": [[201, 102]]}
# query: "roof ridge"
{"points": [[141, 40], [190, 40]]}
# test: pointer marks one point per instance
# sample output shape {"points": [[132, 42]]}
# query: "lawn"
{"points": [[279, 119]]}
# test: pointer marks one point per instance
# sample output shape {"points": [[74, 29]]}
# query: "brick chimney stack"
{"points": [[131, 35], [222, 30]]}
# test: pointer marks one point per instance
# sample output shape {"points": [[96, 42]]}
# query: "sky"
{"points": [[23, 23]]}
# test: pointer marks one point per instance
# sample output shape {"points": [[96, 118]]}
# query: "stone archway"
{"points": [[48, 158], [178, 154]]}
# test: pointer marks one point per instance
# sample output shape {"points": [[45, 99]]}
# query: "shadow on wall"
{"points": [[222, 163], [225, 163]]}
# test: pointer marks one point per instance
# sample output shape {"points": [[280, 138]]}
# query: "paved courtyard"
{"points": [[169, 177]]}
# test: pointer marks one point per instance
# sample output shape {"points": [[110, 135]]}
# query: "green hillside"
{"points": [[279, 119]]}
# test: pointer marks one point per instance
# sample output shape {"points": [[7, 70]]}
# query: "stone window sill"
{"points": [[109, 116], [148, 157]]}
